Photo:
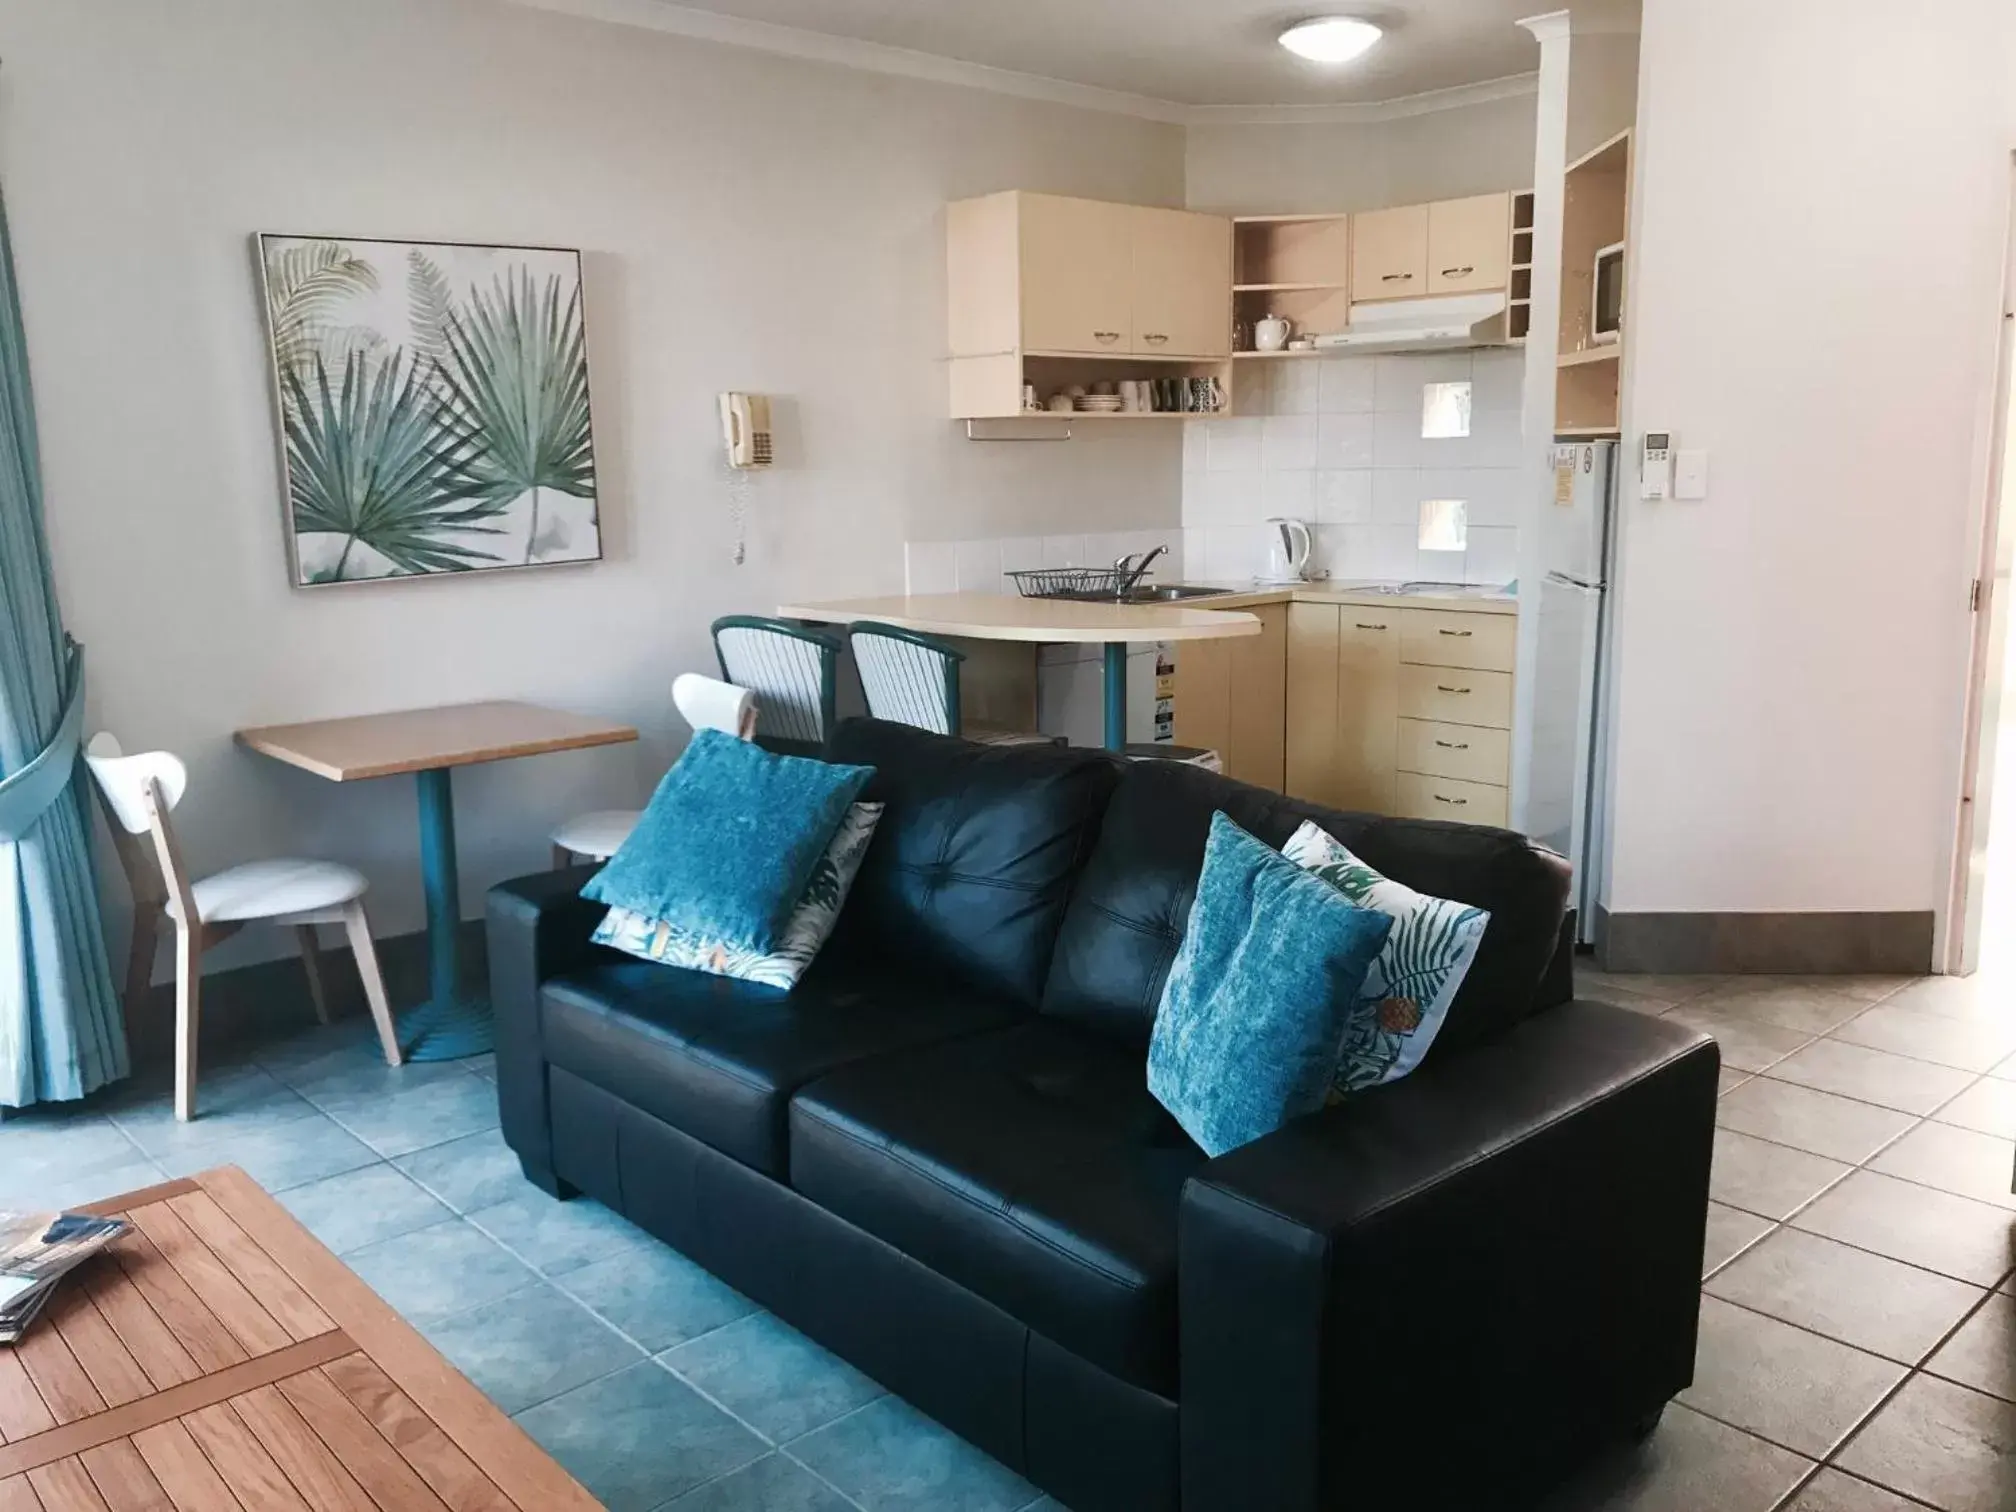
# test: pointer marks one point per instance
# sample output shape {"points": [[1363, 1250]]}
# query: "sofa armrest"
{"points": [[537, 927], [1501, 1254]]}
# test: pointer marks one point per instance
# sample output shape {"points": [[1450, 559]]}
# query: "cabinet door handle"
{"points": [[1459, 634], [1363, 626], [1109, 337], [1454, 745], [1464, 272], [1396, 277], [1445, 688], [1157, 337], [1458, 802]]}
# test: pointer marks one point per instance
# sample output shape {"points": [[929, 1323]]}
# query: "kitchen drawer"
{"points": [[1455, 695], [1443, 638], [1420, 797], [1467, 752]]}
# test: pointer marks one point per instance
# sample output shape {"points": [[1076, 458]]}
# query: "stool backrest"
{"points": [[794, 673], [707, 703], [907, 678]]}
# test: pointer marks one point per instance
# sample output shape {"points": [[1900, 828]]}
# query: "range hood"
{"points": [[1443, 324]]}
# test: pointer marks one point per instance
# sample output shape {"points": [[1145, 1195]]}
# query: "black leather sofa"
{"points": [[938, 1156]]}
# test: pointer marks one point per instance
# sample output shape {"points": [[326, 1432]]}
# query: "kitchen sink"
{"points": [[1171, 593]]}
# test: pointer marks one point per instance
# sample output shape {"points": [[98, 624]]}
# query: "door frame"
{"points": [[1991, 608]]}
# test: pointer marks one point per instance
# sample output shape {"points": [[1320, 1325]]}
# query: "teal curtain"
{"points": [[61, 1035]]}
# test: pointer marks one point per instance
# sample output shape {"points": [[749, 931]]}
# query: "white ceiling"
{"points": [[1187, 52]]}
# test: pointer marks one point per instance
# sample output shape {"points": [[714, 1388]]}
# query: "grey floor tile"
{"points": [[1728, 1080], [554, 1237], [63, 1187], [772, 1377], [1987, 1107], [1790, 1005], [1942, 1444], [361, 1207], [656, 1295], [1692, 1464], [640, 1437], [1665, 988], [1593, 987], [889, 1457], [531, 1346], [316, 1054], [1967, 1044], [1780, 1382], [278, 1156], [771, 1484], [230, 1101], [1983, 1353], [1953, 1160], [1820, 1123], [1876, 1304], [59, 1142], [476, 1171], [396, 1114], [1832, 1491], [1956, 1236], [1981, 997], [436, 1272], [1892, 1081], [1770, 1180], [1730, 1230], [1747, 1044]]}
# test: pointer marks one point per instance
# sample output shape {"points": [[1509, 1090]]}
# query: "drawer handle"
{"points": [[1155, 336], [1458, 802], [1445, 688], [1106, 336], [1459, 634], [1363, 626], [1396, 277], [1454, 745], [1464, 272]]}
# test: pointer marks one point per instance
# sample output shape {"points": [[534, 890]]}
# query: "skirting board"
{"points": [[1801, 943]]}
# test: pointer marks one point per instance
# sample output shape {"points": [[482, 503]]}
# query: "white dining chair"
{"points": [[707, 703], [138, 793]]}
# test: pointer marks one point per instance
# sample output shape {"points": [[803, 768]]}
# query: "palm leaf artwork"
{"points": [[515, 393], [432, 305], [369, 460], [306, 285]]}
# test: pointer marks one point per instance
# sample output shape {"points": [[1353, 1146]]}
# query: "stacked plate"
{"points": [[1098, 404]]}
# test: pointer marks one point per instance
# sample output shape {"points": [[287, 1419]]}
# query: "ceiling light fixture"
{"points": [[1330, 39]]}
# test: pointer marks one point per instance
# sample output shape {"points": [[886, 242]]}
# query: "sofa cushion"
{"points": [[719, 1058], [1030, 1166], [976, 853], [1128, 913]]}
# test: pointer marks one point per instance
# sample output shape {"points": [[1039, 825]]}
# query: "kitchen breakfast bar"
{"points": [[1007, 617]]}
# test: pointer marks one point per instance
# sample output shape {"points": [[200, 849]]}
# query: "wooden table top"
{"points": [[1009, 617], [218, 1357], [418, 740]]}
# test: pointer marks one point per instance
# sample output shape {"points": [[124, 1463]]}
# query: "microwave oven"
{"points": [[1606, 314]]}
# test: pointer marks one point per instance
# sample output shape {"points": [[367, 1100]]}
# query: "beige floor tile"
{"points": [[1601, 989], [1747, 1043], [1943, 1444], [1983, 1353], [1728, 1080], [1832, 1491], [1987, 1107], [1692, 1464], [1780, 1382], [1876, 1076], [1807, 1119], [1979, 998], [1968, 1044], [1767, 1179], [1730, 1230], [1790, 1005], [1665, 989], [1956, 1236], [1883, 1306], [1954, 1160]]}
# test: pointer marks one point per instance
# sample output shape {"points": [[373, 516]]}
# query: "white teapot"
{"points": [[1271, 334]]}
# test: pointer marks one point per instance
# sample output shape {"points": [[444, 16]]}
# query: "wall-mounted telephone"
{"points": [[745, 429]]}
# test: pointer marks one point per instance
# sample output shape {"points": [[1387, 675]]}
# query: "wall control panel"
{"points": [[1655, 465]]}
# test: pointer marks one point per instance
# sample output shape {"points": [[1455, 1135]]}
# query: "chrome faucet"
{"points": [[1128, 573]]}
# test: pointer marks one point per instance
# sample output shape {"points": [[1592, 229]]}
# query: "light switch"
{"points": [[1690, 475]]}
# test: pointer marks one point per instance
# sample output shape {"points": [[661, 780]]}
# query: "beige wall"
{"points": [[749, 222], [1291, 169]]}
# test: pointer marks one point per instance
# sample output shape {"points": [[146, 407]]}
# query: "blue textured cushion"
{"points": [[1252, 1018], [729, 840]]}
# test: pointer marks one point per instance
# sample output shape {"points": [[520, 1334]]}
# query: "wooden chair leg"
{"points": [[188, 991], [140, 961], [358, 927], [311, 962], [562, 858]]}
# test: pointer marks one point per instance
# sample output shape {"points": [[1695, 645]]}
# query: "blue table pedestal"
{"points": [[449, 1025], [1116, 695]]}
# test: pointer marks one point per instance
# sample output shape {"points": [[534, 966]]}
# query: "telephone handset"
{"points": [[745, 430]]}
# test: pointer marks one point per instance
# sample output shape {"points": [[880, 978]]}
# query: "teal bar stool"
{"points": [[913, 679], [794, 673]]}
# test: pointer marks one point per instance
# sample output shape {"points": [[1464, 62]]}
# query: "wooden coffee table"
{"points": [[219, 1359]]}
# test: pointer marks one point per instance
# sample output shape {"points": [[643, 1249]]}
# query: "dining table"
{"points": [[429, 744]]}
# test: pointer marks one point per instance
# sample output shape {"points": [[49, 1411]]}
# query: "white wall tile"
{"points": [[1253, 387], [1493, 556], [1296, 386], [1222, 499], [1345, 440], [1440, 566], [1344, 497], [1288, 443], [979, 566], [1493, 493], [1391, 551], [1497, 380], [1396, 438], [1234, 443], [1400, 377], [1449, 451], [1195, 443], [1346, 385], [930, 566], [1396, 496], [1064, 551], [1019, 553], [1289, 494], [1495, 439]]}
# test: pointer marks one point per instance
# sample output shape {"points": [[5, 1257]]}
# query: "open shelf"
{"points": [[1610, 353], [1571, 432], [1301, 251], [1282, 288], [1595, 199], [1298, 352]]}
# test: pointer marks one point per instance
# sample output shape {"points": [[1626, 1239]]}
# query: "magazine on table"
{"points": [[36, 1250]]}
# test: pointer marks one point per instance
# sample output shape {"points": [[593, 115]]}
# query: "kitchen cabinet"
{"points": [[1343, 705], [1076, 274], [1230, 697], [1470, 244], [1389, 253], [1182, 274]]}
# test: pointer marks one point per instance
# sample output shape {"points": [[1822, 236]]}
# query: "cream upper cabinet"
{"points": [[1389, 253], [1182, 283], [1469, 244], [1077, 274]]}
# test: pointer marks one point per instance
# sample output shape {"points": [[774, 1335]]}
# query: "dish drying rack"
{"points": [[1114, 582]]}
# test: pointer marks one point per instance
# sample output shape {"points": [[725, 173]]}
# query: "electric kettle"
{"points": [[1288, 552]]}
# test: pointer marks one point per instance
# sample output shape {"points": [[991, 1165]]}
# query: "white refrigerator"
{"points": [[1565, 798]]}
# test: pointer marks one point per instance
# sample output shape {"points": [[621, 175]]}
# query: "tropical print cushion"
{"points": [[806, 929], [1408, 991]]}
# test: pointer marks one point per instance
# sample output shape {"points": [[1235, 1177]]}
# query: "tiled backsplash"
{"points": [[1337, 441], [982, 566]]}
